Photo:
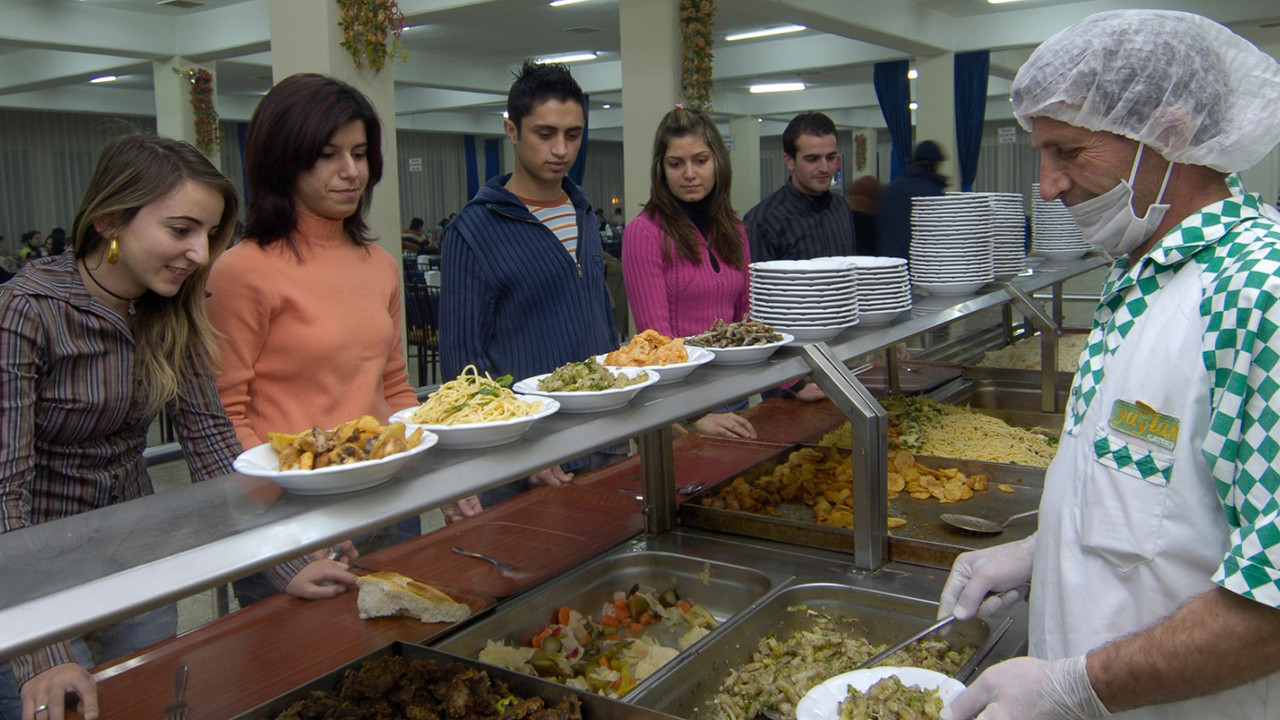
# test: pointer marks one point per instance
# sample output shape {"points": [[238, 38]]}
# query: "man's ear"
{"points": [[511, 130], [789, 161]]}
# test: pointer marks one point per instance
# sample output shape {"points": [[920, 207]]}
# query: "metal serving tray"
{"points": [[594, 707], [925, 540], [686, 686], [721, 588], [1010, 395]]}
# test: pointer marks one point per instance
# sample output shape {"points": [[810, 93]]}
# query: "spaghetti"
{"points": [[470, 398]]}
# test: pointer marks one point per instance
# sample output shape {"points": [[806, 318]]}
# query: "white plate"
{"points": [[675, 372], [748, 354], [822, 702], [822, 264], [587, 401], [881, 317], [262, 462], [951, 288], [814, 334], [483, 434]]}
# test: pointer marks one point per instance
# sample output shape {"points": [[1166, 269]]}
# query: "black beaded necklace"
{"points": [[132, 310]]}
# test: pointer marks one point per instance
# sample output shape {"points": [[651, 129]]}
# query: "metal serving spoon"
{"points": [[982, 525]]}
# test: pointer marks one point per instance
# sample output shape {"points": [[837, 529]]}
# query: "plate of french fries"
{"points": [[355, 455]]}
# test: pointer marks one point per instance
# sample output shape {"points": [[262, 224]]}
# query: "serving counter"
{"points": [[66, 577]]}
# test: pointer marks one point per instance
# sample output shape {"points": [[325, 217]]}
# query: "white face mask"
{"points": [[1108, 221]]}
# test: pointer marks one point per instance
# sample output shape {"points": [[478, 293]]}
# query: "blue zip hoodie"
{"points": [[512, 301]]}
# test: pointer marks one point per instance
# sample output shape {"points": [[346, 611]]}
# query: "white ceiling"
{"points": [[461, 52]]}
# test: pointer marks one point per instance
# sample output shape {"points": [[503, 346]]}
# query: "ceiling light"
{"points": [[567, 58], [104, 79], [606, 106], [912, 74], [998, 2], [764, 32], [913, 106], [777, 87], [558, 3]]}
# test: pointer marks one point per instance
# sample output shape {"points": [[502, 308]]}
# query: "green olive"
{"points": [[637, 606], [552, 644], [669, 597]]}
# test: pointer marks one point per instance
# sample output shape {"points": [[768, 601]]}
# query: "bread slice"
{"points": [[388, 593]]}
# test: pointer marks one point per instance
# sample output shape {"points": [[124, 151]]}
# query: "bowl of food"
{"points": [[475, 411], [866, 693], [587, 386], [327, 462], [672, 372], [740, 343]]}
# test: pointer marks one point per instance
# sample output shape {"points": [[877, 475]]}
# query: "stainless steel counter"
{"points": [[65, 577]]}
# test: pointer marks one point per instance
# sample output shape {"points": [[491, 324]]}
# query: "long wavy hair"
{"points": [[286, 135], [172, 335], [675, 222]]}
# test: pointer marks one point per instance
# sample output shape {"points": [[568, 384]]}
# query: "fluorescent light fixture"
{"points": [[913, 106], [104, 79], [567, 58], [764, 32], [558, 3], [606, 106], [912, 74], [776, 87], [998, 2]]}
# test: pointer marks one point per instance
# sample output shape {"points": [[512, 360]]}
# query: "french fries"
{"points": [[353, 441]]}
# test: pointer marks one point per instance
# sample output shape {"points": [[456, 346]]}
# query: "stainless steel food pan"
{"points": [[594, 707], [687, 686], [1005, 394], [721, 588]]}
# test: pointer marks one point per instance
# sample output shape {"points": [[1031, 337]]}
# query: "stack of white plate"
{"points": [[1009, 234], [884, 288], [1054, 233], [809, 299], [952, 247]]}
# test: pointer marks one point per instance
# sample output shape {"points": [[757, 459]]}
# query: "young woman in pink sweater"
{"points": [[684, 259], [309, 306]]}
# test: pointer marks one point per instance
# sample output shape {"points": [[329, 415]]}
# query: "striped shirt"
{"points": [[790, 225], [560, 217], [72, 429]]}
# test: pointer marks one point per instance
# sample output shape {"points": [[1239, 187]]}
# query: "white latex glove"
{"points": [[1029, 689], [993, 571]]}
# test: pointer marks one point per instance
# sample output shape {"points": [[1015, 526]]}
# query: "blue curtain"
{"points": [[492, 157], [473, 175], [972, 69], [894, 93], [580, 165]]}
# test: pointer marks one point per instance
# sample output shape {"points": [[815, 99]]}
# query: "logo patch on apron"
{"points": [[1137, 419]]}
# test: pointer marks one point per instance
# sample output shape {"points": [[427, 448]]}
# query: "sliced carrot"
{"points": [[609, 620], [537, 639], [622, 612], [614, 637], [684, 606], [636, 628], [564, 615], [616, 684], [604, 661], [645, 619]]}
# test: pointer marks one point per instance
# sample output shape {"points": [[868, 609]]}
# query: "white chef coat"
{"points": [[1129, 528]]}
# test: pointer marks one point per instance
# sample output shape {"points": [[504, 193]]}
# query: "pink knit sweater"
{"points": [[316, 342], [673, 295]]}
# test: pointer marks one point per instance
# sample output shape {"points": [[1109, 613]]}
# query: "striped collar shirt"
{"points": [[792, 225], [560, 217]]}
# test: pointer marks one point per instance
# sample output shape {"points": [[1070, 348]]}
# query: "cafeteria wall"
{"points": [[46, 159]]}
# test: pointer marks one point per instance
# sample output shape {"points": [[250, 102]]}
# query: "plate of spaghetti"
{"points": [[475, 411]]}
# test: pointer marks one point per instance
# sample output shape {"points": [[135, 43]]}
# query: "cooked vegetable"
{"points": [[586, 376]]}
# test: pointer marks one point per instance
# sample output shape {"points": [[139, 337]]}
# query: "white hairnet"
{"points": [[1180, 83]]}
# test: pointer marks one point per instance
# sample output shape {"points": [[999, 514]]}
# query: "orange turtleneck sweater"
{"points": [[308, 342]]}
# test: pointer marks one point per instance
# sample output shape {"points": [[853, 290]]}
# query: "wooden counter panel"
{"points": [[789, 421], [249, 657], [698, 458]]}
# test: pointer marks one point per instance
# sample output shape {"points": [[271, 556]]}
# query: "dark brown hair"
{"points": [[675, 222], [286, 135]]}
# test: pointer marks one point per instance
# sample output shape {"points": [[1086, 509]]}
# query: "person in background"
{"points": [[412, 240], [685, 256], [920, 178], [522, 286], [308, 307], [93, 344], [57, 241], [803, 219], [862, 195], [1155, 573], [32, 247]]}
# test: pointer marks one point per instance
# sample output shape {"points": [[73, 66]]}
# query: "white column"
{"points": [[745, 157], [304, 38], [650, 87], [936, 115]]}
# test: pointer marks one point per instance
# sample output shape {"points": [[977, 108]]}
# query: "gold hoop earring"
{"points": [[113, 251]]}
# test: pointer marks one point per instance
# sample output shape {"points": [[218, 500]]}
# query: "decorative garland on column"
{"points": [[206, 117], [371, 32], [695, 30], [860, 150]]}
